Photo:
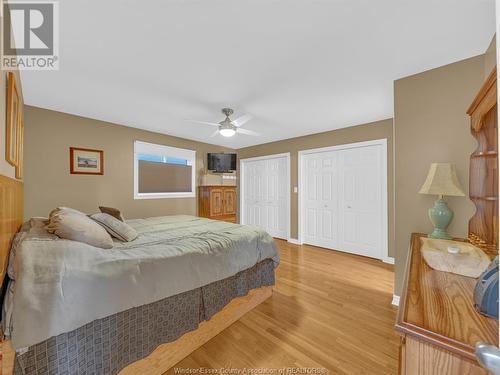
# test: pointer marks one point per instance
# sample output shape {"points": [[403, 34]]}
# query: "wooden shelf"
{"points": [[483, 167], [484, 198], [484, 154]]}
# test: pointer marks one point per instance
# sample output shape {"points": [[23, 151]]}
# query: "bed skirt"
{"points": [[105, 346]]}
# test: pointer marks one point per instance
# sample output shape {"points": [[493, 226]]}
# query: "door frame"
{"points": [[288, 178], [384, 256]]}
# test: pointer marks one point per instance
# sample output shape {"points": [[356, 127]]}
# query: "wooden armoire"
{"points": [[217, 202], [483, 174]]}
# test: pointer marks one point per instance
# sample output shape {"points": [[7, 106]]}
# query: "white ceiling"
{"points": [[299, 67]]}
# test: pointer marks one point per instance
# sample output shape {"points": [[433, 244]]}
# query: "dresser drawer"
{"points": [[421, 358]]}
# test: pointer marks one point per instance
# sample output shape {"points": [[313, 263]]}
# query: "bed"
{"points": [[139, 307]]}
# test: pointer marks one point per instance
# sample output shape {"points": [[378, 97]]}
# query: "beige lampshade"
{"points": [[442, 180]]}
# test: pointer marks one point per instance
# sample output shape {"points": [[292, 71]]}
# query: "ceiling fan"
{"points": [[228, 127]]}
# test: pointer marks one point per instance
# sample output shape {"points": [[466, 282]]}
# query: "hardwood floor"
{"points": [[329, 310]]}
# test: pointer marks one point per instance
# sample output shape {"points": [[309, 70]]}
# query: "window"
{"points": [[163, 171]]}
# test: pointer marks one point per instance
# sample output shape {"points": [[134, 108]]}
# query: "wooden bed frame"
{"points": [[11, 217], [163, 357]]}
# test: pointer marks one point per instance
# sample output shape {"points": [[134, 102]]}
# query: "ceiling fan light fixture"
{"points": [[227, 132], [228, 128]]}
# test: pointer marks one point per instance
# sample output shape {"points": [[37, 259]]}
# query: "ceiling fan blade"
{"points": [[241, 120], [247, 132], [214, 133], [204, 122]]}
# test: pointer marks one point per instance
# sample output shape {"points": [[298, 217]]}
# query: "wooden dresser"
{"points": [[437, 321], [217, 202]]}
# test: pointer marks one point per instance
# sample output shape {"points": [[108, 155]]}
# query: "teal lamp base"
{"points": [[440, 216]]}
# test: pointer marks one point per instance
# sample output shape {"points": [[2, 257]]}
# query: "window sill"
{"points": [[164, 195]]}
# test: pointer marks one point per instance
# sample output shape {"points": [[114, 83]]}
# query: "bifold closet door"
{"points": [[320, 199], [360, 205], [342, 205], [265, 195]]}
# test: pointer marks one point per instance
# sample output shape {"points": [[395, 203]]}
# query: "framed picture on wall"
{"points": [[14, 113], [86, 161], [20, 144]]}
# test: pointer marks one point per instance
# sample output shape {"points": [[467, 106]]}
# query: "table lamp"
{"points": [[441, 180]]}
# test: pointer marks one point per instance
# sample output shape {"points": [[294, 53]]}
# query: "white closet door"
{"points": [[276, 200], [255, 194], [342, 199], [361, 200], [321, 194], [265, 195]]}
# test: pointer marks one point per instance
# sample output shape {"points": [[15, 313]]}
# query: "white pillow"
{"points": [[59, 210], [79, 227]]}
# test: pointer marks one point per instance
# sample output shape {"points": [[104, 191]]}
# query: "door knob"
{"points": [[489, 357]]}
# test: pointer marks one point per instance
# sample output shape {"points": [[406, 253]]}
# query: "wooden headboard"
{"points": [[11, 217]]}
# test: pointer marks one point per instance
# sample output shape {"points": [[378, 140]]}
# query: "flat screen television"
{"points": [[221, 162]]}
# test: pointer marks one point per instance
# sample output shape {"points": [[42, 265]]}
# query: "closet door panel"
{"points": [[320, 192], [267, 195], [361, 200], [342, 199]]}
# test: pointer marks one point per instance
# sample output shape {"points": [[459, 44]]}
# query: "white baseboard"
{"points": [[388, 260], [294, 241], [395, 300]]}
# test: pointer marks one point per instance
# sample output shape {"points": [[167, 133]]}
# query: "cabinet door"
{"points": [[216, 204], [422, 358], [229, 202]]}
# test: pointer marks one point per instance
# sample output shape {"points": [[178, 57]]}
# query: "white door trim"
{"points": [[385, 217], [242, 185]]}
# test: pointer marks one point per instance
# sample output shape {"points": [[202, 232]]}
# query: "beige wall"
{"points": [[49, 135], [431, 125], [490, 57], [375, 130]]}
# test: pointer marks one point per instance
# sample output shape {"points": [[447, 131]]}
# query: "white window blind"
{"points": [[163, 171]]}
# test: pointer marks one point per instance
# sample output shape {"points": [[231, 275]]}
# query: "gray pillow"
{"points": [[115, 227], [77, 227], [115, 212]]}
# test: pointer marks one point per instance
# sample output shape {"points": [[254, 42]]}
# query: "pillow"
{"points": [[33, 228], [115, 212], [37, 222], [78, 227], [58, 210], [115, 227]]}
